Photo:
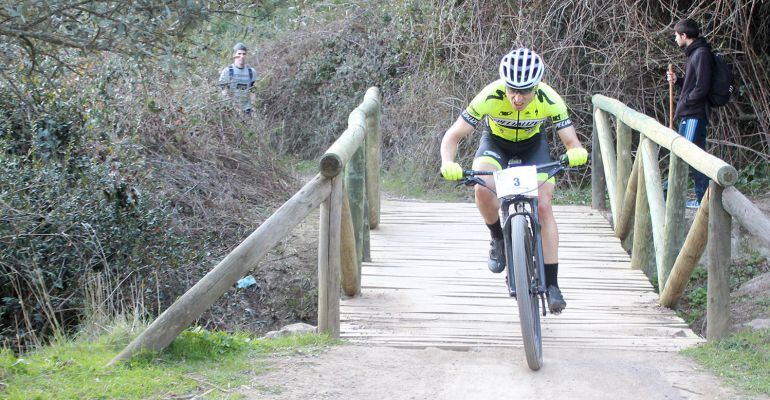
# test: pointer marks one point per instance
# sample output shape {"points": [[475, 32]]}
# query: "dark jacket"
{"points": [[696, 82]]}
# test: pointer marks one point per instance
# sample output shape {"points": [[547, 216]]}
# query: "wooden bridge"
{"points": [[427, 284], [415, 273]]}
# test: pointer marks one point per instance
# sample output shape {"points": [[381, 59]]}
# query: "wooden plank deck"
{"points": [[428, 285]]}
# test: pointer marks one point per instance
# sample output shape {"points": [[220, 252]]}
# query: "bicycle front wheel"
{"points": [[526, 294]]}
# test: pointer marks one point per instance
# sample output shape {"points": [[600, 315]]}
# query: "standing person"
{"points": [[516, 107], [237, 80], [692, 107]]}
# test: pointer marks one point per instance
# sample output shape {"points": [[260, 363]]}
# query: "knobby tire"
{"points": [[527, 299]]}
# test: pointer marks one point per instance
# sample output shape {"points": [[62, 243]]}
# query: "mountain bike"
{"points": [[517, 190]]}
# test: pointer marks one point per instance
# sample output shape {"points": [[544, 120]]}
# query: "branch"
{"points": [[57, 11], [31, 51], [18, 93], [53, 39], [742, 147]]}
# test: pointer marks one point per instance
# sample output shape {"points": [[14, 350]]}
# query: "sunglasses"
{"points": [[522, 92]]}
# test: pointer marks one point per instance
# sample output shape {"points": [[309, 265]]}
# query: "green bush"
{"points": [[754, 178], [71, 205], [315, 79], [119, 188]]}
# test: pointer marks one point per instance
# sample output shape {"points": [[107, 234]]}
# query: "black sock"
{"points": [[551, 274], [496, 229]]}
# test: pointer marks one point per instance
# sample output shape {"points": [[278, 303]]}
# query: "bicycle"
{"points": [[517, 188]]}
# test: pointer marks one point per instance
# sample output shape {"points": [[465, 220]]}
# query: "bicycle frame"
{"points": [[527, 206], [520, 212]]}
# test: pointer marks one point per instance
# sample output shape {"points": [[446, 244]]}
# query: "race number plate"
{"points": [[516, 181]]}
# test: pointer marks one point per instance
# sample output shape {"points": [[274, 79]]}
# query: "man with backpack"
{"points": [[237, 80], [692, 108]]}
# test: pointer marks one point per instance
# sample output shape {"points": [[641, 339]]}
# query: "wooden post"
{"points": [[691, 252], [654, 190], [329, 261], [624, 161], [718, 306], [373, 159], [234, 266], [675, 205], [324, 251], [608, 158], [641, 250], [623, 227], [598, 183], [367, 256], [354, 181], [351, 277]]}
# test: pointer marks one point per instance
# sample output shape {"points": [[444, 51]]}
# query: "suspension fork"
{"points": [[519, 209], [508, 239], [538, 246], [534, 216]]}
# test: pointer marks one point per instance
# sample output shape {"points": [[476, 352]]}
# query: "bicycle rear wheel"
{"points": [[526, 295]]}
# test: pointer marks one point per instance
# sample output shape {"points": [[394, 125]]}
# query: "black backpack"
{"points": [[721, 82]]}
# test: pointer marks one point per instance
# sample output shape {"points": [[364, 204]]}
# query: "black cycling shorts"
{"points": [[498, 151]]}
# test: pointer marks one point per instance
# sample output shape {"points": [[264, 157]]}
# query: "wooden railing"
{"points": [[343, 233], [632, 181]]}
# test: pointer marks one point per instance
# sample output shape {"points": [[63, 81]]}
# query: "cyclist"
{"points": [[516, 107]]}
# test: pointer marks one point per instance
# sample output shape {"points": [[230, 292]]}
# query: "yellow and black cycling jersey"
{"points": [[508, 123]]}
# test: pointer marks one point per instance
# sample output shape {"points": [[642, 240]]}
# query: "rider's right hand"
{"points": [[451, 171]]}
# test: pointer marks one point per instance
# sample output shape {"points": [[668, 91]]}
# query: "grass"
{"points": [[199, 362], [764, 302], [572, 196], [692, 305], [306, 166], [406, 180], [743, 359]]}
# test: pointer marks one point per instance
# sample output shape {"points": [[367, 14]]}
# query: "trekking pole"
{"points": [[671, 98]]}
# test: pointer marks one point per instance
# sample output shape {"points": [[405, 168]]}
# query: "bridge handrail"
{"points": [[710, 165], [347, 218], [659, 224], [339, 234]]}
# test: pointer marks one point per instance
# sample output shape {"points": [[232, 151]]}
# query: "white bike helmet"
{"points": [[521, 69]]}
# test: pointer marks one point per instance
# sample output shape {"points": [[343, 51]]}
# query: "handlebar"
{"points": [[470, 176], [559, 164]]}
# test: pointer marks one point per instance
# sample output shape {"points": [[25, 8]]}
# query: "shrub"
{"points": [[62, 222], [118, 191]]}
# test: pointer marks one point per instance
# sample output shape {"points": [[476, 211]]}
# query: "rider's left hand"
{"points": [[577, 156]]}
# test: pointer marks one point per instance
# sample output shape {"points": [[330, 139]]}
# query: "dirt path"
{"points": [[361, 372]]}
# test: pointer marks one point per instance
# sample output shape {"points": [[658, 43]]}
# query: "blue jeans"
{"points": [[694, 130]]}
